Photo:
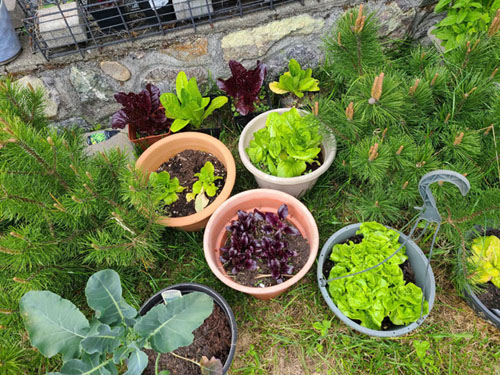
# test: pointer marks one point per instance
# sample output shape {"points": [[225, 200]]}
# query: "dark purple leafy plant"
{"points": [[244, 85], [142, 110], [257, 238]]}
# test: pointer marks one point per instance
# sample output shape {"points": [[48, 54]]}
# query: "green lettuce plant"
{"points": [[295, 81], [115, 335], [204, 185], [464, 20], [286, 145], [485, 259], [165, 188], [188, 106], [382, 292]]}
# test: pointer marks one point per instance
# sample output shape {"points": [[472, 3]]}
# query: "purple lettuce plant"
{"points": [[258, 238], [244, 85], [142, 110]]}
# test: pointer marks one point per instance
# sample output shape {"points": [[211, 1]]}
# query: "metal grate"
{"points": [[64, 28]]}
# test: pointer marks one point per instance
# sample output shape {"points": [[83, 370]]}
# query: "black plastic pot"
{"points": [[109, 18], [187, 288], [166, 13]]}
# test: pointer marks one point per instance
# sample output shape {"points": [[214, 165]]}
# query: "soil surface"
{"points": [[183, 166], [212, 338], [252, 279], [490, 296], [408, 276]]}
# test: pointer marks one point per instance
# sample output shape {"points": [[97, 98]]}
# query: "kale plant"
{"points": [[115, 336], [258, 238], [204, 185], [165, 188], [295, 81], [286, 145], [244, 85], [188, 106], [382, 292], [142, 111]]}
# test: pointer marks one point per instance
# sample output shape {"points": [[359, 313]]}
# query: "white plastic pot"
{"points": [[296, 186]]}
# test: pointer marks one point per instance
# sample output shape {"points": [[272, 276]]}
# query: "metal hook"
{"points": [[429, 209]]}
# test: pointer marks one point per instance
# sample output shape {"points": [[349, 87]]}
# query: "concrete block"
{"points": [[198, 8], [119, 140], [54, 29]]}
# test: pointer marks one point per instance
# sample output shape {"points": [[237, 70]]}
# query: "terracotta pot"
{"points": [[296, 186], [144, 142], [166, 148], [265, 200]]}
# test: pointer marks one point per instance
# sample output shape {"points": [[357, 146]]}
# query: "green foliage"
{"points": [[426, 360], [382, 292], [464, 19], [352, 48], [296, 81], [188, 106], [204, 185], [115, 335], [286, 145], [485, 259], [165, 188], [425, 112]]}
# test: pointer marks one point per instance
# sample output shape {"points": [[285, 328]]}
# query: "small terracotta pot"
{"points": [[265, 200], [168, 147], [144, 142], [296, 186]]}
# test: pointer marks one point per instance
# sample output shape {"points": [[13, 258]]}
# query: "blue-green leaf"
{"points": [[54, 324], [137, 362], [105, 341], [168, 327], [104, 295]]}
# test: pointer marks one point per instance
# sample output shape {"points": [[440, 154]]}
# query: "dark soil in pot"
{"points": [[255, 279], [184, 165], [212, 338], [408, 276]]}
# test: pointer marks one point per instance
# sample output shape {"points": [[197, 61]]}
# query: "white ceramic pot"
{"points": [[296, 186]]}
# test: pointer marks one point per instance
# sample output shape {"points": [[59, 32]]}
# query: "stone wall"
{"points": [[80, 90]]}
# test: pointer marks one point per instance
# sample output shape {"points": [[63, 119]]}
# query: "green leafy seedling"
{"points": [[116, 335], [188, 106], [203, 187], [165, 188], [286, 145], [296, 81], [322, 327]]}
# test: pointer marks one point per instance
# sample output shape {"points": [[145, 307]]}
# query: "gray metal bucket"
{"points": [[10, 47], [418, 262]]}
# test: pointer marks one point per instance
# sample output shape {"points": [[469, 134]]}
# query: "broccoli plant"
{"points": [[115, 335], [165, 188], [204, 185], [295, 81], [188, 106]]}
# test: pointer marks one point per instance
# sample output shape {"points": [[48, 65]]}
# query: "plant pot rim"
{"points": [[328, 140], [228, 162], [217, 297], [401, 330], [303, 215]]}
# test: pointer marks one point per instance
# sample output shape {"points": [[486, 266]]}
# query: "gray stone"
{"points": [[394, 22], [119, 140], [90, 86], [73, 122], [50, 96], [164, 77], [116, 70]]}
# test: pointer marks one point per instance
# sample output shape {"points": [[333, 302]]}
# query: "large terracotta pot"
{"points": [[296, 186], [166, 148], [265, 200]]}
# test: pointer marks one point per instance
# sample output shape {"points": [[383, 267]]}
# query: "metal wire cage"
{"points": [[74, 26]]}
